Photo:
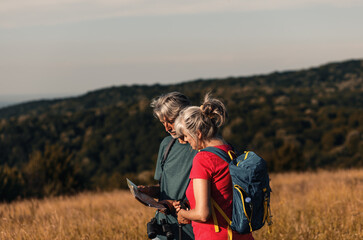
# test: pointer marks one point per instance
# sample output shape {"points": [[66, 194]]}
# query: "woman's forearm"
{"points": [[201, 212], [194, 215]]}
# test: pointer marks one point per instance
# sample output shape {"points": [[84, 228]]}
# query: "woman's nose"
{"points": [[167, 126]]}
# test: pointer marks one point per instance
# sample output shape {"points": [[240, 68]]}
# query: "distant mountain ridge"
{"points": [[296, 120], [342, 76], [4, 104]]}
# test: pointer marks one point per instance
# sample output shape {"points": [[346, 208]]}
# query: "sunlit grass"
{"points": [[323, 205], [114, 215]]}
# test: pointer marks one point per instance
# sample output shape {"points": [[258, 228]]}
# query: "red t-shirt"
{"points": [[209, 166]]}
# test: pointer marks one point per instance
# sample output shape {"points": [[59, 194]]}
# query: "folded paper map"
{"points": [[143, 198]]}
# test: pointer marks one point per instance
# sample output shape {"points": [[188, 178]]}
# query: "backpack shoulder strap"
{"points": [[220, 153], [214, 216], [166, 152]]}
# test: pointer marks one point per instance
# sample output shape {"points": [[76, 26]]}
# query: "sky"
{"points": [[69, 47]]}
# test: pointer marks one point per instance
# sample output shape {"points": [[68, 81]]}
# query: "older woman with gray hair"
{"points": [[210, 177]]}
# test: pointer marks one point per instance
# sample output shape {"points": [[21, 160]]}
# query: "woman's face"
{"points": [[188, 138]]}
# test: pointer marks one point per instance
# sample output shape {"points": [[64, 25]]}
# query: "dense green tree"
{"points": [[11, 183], [296, 120], [52, 172]]}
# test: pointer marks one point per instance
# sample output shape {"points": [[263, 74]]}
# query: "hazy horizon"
{"points": [[70, 47], [13, 99]]}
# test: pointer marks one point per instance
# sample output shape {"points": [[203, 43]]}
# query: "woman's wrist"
{"points": [[181, 217], [182, 213]]}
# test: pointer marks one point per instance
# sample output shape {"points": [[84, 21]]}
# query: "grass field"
{"points": [[322, 205]]}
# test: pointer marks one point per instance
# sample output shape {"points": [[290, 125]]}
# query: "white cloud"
{"points": [[18, 13]]}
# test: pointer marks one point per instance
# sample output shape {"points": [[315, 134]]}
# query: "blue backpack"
{"points": [[251, 192]]}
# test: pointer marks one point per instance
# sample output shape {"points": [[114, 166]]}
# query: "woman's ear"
{"points": [[199, 135]]}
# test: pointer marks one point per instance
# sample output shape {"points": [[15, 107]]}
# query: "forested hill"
{"points": [[297, 120]]}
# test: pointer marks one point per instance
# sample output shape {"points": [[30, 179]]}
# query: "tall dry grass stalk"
{"points": [[114, 215], [323, 205]]}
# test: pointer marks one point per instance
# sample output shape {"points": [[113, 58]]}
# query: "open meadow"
{"points": [[321, 205]]}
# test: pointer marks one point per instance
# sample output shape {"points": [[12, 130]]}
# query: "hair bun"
{"points": [[215, 110], [208, 110]]}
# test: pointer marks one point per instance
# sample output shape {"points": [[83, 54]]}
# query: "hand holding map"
{"points": [[143, 198]]}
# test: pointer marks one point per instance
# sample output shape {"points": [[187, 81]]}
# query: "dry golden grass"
{"points": [[114, 215], [323, 205]]}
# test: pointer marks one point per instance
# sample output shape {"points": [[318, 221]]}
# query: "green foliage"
{"points": [[11, 183], [297, 120], [51, 173]]}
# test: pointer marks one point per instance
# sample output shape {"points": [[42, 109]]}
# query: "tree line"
{"points": [[297, 121]]}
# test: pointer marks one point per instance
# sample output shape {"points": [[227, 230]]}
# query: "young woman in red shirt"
{"points": [[209, 175]]}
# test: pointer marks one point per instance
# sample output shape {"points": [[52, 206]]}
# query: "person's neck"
{"points": [[182, 141], [213, 142]]}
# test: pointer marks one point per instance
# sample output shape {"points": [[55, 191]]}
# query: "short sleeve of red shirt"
{"points": [[203, 166]]}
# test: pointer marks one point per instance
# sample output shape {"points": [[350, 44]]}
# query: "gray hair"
{"points": [[206, 119], [169, 105]]}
